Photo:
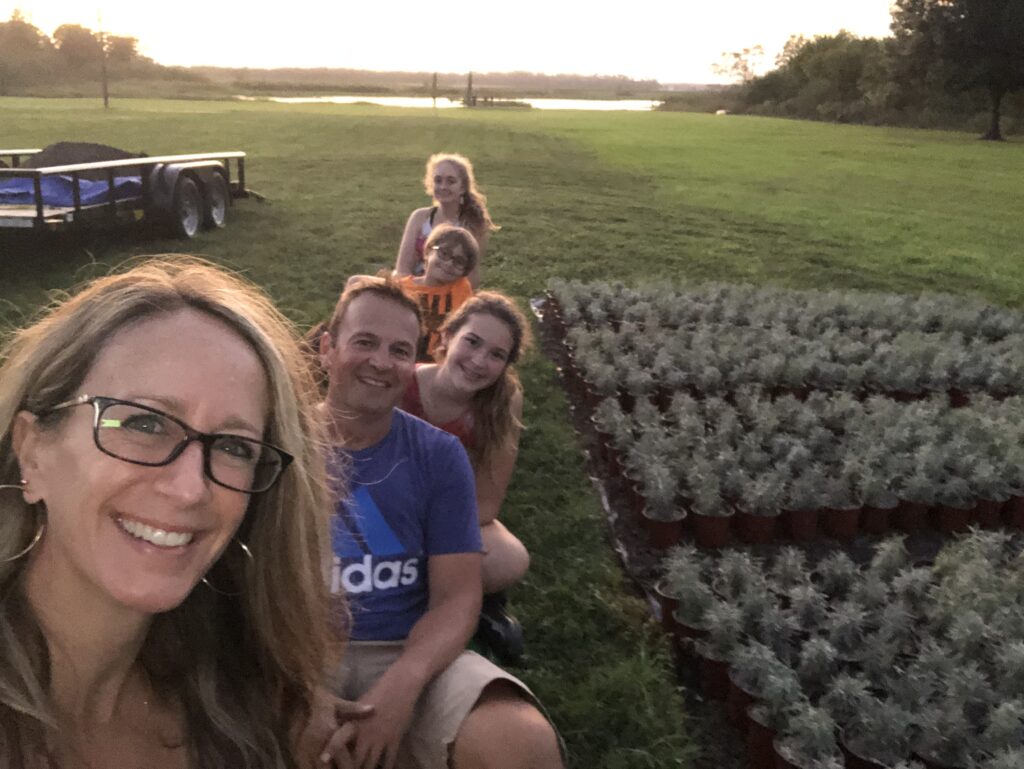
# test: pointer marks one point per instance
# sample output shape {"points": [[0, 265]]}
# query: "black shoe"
{"points": [[499, 630]]}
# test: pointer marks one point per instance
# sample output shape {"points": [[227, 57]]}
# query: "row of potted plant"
{"points": [[808, 313], [718, 357], [759, 468], [869, 665]]}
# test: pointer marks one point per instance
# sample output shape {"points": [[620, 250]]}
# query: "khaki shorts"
{"points": [[441, 708]]}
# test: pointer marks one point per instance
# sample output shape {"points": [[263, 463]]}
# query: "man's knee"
{"points": [[504, 731], [507, 559]]}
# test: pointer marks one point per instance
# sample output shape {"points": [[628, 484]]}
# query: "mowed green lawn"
{"points": [[630, 196]]}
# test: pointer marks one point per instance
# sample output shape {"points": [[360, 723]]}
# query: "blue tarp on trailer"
{"points": [[60, 191]]}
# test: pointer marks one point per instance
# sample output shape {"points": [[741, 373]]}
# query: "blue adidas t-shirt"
{"points": [[411, 496]]}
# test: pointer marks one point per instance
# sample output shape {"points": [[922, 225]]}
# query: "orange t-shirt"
{"points": [[436, 304]]}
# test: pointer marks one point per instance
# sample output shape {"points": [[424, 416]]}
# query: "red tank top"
{"points": [[461, 428]]}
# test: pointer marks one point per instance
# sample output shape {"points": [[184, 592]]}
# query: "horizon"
{"points": [[658, 41]]}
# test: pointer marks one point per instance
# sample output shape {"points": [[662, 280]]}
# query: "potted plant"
{"points": [[1005, 728], [809, 741], [758, 509], [780, 696], [818, 665], [944, 739], [844, 626], [836, 573], [724, 627], [953, 503], [788, 569], [751, 666], [889, 558], [878, 736], [879, 501], [917, 495], [802, 502], [842, 519], [845, 697], [664, 517], [683, 568], [808, 605], [711, 515]]}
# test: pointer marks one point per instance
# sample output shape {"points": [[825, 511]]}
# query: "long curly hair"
{"points": [[242, 666], [494, 426], [473, 213]]}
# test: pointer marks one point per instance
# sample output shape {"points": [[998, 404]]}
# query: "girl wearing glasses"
{"points": [[451, 255], [473, 392], [450, 182], [163, 527]]}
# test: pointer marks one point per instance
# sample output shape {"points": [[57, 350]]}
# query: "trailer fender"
{"points": [[162, 180]]}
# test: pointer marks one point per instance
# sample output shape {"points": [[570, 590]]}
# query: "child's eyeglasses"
{"points": [[445, 255]]}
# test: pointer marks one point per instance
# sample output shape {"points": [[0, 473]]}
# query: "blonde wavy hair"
{"points": [[242, 666], [494, 427], [473, 211]]}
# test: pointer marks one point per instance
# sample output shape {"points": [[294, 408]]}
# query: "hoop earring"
{"points": [[39, 532], [249, 555]]}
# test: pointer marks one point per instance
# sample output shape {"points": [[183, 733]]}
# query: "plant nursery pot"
{"points": [[668, 604], [627, 400], [987, 514], [711, 531], [951, 520], [842, 524], [714, 678], [780, 761], [853, 761], [875, 520], [932, 764], [800, 525], [1013, 512], [662, 399], [663, 534], [958, 398], [910, 516], [736, 703], [754, 529], [682, 630], [760, 750]]}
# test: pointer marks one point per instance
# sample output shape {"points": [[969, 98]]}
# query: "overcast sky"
{"points": [[670, 41]]}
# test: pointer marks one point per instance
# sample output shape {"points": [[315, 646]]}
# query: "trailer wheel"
{"points": [[187, 210], [216, 200]]}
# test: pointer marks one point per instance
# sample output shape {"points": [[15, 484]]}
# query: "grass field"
{"points": [[637, 197]]}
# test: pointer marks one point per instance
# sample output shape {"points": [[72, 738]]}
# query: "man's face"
{"points": [[371, 359]]}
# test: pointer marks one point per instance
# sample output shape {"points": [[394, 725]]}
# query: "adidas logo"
{"points": [[367, 575]]}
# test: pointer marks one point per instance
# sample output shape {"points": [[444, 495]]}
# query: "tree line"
{"points": [[949, 63], [31, 60]]}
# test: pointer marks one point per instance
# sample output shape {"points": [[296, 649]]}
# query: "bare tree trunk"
{"points": [[994, 134]]}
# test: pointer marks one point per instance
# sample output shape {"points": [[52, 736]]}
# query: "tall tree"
{"points": [[25, 53], [78, 46], [742, 65], [972, 43]]}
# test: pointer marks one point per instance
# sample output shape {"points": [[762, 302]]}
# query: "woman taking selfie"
{"points": [[163, 528], [474, 393], [450, 182]]}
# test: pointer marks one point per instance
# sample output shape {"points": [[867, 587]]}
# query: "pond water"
{"points": [[631, 105]]}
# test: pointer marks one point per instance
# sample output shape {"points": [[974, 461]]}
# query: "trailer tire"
{"points": [[216, 202], [187, 208]]}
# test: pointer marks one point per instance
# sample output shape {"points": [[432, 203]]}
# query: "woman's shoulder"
{"points": [[420, 214]]}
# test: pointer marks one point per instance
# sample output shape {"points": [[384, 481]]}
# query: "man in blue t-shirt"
{"points": [[407, 556]]}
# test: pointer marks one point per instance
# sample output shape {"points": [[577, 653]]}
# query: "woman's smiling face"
{"points": [[478, 352], [143, 536]]}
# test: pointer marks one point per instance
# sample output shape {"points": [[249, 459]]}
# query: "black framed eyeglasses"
{"points": [[143, 435], [445, 255]]}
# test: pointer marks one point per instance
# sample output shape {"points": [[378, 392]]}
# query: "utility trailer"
{"points": [[184, 192]]}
